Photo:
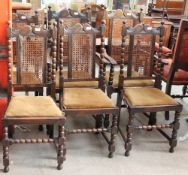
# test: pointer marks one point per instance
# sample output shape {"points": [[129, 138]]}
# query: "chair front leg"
{"points": [[114, 129], [128, 144], [6, 149], [61, 148], [176, 125]]}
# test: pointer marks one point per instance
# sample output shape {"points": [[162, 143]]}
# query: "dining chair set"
{"points": [[64, 58]]}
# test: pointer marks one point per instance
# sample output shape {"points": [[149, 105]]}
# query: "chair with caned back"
{"points": [[64, 49], [84, 100], [16, 35], [69, 19], [140, 100], [32, 110]]}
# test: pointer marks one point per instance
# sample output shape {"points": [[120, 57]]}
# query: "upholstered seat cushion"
{"points": [[180, 77], [32, 106], [129, 83], [75, 83], [86, 98], [147, 97]]}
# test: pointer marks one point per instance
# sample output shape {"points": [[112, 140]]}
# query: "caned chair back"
{"points": [[115, 37], [81, 53], [141, 50], [32, 57], [69, 18]]}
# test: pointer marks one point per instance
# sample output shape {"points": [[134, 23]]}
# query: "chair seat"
{"points": [[86, 98], [75, 83], [129, 83], [180, 77], [147, 97], [32, 106]]}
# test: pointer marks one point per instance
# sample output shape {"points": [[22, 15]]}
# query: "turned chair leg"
{"points": [[111, 146], [99, 121], [152, 119], [106, 121], [50, 131], [6, 150], [176, 125], [167, 115], [128, 144], [61, 149]]}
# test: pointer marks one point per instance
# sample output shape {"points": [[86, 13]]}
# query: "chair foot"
{"points": [[59, 167], [127, 153], [6, 169], [171, 150], [110, 155]]}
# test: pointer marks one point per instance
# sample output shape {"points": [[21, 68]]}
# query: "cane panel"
{"points": [[32, 54], [141, 60], [82, 56], [68, 22]]}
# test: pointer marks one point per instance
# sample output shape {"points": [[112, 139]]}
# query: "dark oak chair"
{"points": [[63, 49], [32, 110], [115, 52], [69, 19], [145, 99], [82, 101]]}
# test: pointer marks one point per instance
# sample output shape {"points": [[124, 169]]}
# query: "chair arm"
{"points": [[163, 61], [98, 57], [165, 51], [110, 59]]}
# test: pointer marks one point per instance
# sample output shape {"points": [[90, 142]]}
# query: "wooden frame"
{"points": [[9, 121], [152, 108], [84, 32]]}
